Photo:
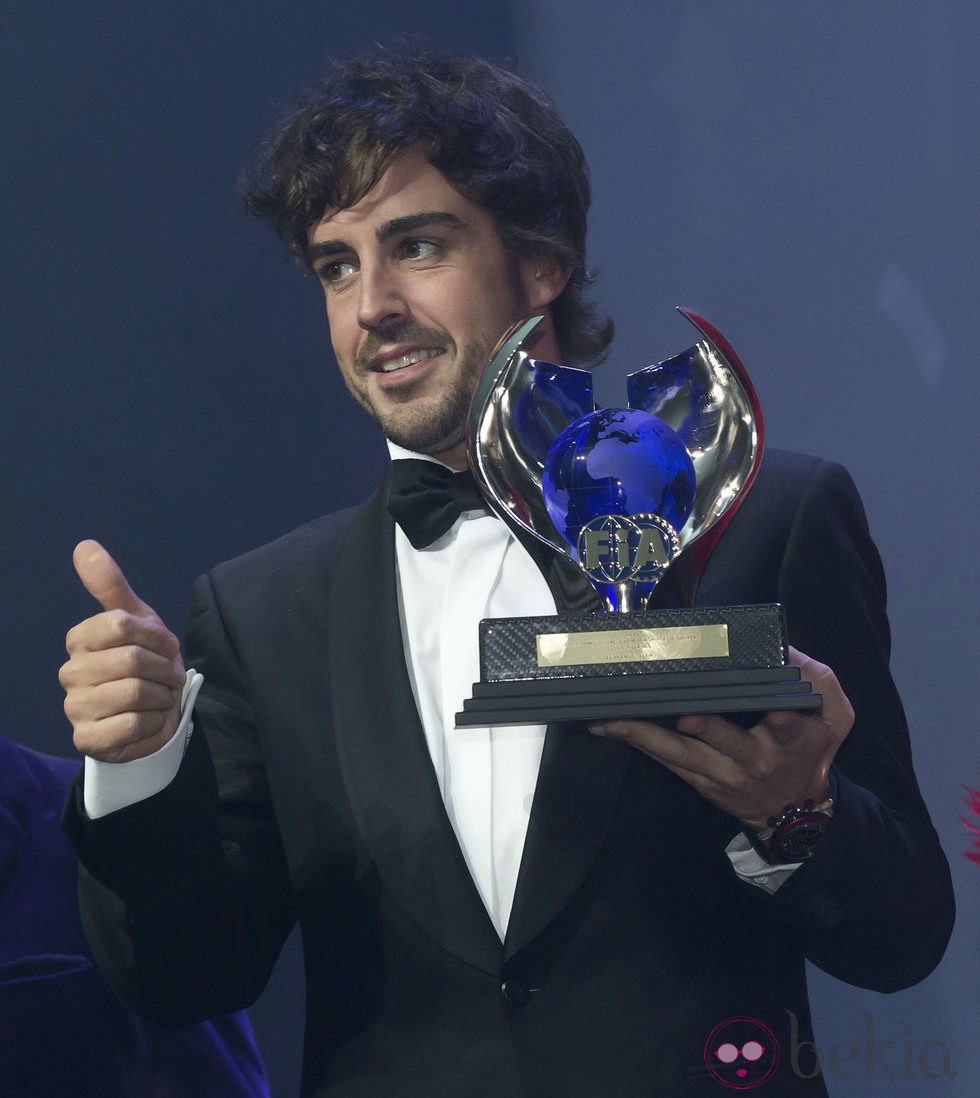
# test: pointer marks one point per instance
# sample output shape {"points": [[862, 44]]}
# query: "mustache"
{"points": [[409, 334]]}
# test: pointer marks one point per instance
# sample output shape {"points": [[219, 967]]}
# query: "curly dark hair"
{"points": [[494, 135]]}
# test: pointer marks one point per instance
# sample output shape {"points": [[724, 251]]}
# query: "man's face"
{"points": [[419, 289]]}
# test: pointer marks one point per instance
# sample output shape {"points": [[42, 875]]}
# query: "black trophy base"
{"points": [[657, 664], [656, 694]]}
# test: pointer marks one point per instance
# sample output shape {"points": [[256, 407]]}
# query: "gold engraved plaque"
{"points": [[685, 642]]}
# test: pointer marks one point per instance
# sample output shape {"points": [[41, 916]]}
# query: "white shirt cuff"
{"points": [[111, 786], [750, 865]]}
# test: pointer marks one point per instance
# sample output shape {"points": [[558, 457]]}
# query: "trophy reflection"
{"points": [[625, 497]]}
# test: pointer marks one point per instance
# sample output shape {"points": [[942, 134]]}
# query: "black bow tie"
{"points": [[425, 499]]}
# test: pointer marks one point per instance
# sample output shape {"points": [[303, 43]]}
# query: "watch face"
{"points": [[795, 840]]}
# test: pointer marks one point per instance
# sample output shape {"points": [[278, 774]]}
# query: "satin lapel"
{"points": [[578, 789], [678, 586], [385, 760]]}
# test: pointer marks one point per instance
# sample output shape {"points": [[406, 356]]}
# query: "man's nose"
{"points": [[381, 300]]}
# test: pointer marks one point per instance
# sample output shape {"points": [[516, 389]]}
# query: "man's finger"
{"points": [[656, 741], [125, 736], [836, 712], [108, 663], [113, 698], [104, 579]]}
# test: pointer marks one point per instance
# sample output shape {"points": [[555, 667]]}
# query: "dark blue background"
{"points": [[803, 175]]}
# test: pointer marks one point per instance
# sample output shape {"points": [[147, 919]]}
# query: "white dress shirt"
{"points": [[478, 569]]}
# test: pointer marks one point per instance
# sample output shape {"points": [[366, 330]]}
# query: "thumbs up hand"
{"points": [[124, 675]]}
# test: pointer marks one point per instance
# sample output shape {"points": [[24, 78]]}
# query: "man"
{"points": [[64, 1032], [497, 911]]}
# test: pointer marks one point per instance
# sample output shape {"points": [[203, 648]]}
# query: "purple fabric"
{"points": [[63, 1031]]}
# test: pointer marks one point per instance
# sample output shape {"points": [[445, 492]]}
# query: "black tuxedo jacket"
{"points": [[307, 792]]}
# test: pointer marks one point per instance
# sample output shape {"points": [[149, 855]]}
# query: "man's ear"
{"points": [[543, 280]]}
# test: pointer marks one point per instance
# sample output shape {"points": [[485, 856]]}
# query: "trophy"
{"points": [[626, 497]]}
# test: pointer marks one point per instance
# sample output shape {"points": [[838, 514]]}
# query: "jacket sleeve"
{"points": [[874, 905], [185, 896]]}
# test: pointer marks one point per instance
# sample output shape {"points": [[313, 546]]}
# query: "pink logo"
{"points": [[741, 1053], [973, 804]]}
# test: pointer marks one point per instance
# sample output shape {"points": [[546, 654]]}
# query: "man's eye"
{"points": [[419, 249], [332, 273]]}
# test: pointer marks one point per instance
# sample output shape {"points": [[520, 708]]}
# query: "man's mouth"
{"points": [[390, 365]]}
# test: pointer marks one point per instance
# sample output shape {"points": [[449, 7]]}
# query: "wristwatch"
{"points": [[793, 835]]}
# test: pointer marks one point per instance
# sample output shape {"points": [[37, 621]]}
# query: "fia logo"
{"points": [[615, 548]]}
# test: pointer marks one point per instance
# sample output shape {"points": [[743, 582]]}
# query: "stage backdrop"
{"points": [[803, 175]]}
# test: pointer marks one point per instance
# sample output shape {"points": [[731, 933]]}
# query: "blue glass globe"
{"points": [[617, 461]]}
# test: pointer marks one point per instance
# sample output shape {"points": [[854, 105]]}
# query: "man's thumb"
{"points": [[104, 580]]}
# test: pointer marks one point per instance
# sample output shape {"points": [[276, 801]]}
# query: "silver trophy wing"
{"points": [[520, 407], [705, 395]]}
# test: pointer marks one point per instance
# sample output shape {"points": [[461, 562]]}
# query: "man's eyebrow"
{"points": [[411, 222], [327, 249]]}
